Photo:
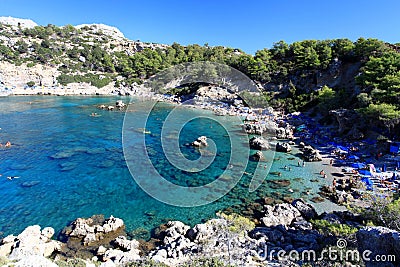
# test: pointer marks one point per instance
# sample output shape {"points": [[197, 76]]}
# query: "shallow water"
{"points": [[72, 165]]}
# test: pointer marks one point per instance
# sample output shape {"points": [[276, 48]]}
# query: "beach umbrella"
{"points": [[365, 172], [367, 182], [398, 164], [353, 157], [384, 167], [358, 165]]}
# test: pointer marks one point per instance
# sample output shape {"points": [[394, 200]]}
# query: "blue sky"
{"points": [[249, 24]]}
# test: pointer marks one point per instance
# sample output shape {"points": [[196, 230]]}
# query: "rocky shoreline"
{"points": [[227, 239], [285, 226]]}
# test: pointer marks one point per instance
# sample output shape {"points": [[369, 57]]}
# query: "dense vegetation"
{"points": [[293, 75]]}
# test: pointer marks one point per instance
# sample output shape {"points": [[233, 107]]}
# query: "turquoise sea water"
{"points": [[72, 165]]}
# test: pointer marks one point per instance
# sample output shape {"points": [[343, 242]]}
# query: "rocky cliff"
{"points": [[36, 55]]}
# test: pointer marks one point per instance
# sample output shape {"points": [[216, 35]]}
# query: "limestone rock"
{"points": [[258, 156], [23, 23], [6, 245], [108, 263], [284, 133], [311, 154], [380, 241], [215, 93], [265, 128], [31, 242], [47, 232], [120, 104], [35, 261], [104, 29], [200, 142], [126, 245], [93, 229], [113, 224], [259, 143], [283, 147], [201, 232], [280, 214], [306, 210]]}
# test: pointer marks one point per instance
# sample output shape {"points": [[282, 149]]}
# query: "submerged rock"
{"points": [[280, 183], [30, 184]]}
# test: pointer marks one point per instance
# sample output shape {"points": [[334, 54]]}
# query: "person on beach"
{"points": [[331, 162], [322, 172], [298, 163], [304, 163], [325, 176], [334, 183]]}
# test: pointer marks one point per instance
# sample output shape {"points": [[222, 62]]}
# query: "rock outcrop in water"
{"points": [[258, 156], [200, 142], [269, 127], [284, 133], [93, 229], [311, 154], [259, 143], [283, 147]]}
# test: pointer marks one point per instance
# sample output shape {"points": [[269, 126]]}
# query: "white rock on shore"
{"points": [[31, 247]]}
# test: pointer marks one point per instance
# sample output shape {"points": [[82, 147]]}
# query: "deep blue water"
{"points": [[72, 165]]}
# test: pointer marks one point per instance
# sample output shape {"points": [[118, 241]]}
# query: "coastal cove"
{"points": [[72, 165]]}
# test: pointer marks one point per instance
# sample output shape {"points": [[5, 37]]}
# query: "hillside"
{"points": [[311, 75]]}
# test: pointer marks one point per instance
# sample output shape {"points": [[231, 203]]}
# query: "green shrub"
{"points": [[71, 263], [383, 211], [238, 224], [327, 228], [30, 83], [93, 79]]}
